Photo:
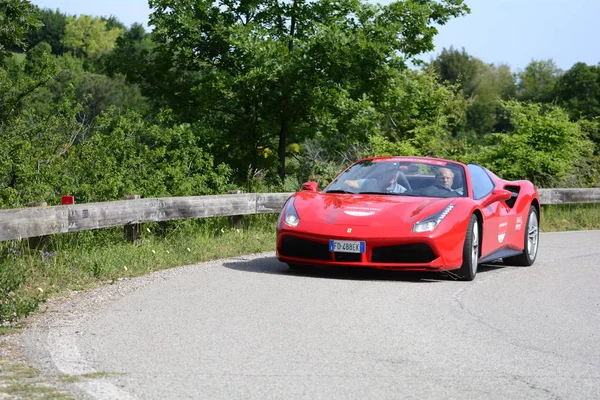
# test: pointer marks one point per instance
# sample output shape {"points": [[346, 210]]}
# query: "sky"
{"points": [[512, 32]]}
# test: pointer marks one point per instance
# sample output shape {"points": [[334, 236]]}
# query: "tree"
{"points": [[578, 90], [262, 70], [39, 61], [421, 117], [483, 84], [112, 22], [89, 37], [458, 68], [17, 17], [51, 31], [536, 82], [494, 83], [97, 93], [542, 145], [20, 80]]}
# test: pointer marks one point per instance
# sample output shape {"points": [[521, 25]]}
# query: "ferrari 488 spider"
{"points": [[411, 213]]}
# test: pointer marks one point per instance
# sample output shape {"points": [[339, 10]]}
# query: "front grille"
{"points": [[348, 257], [417, 253], [302, 248]]}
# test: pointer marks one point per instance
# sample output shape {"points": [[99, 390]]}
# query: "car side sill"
{"points": [[500, 253]]}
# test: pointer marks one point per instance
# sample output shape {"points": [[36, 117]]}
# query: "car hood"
{"points": [[362, 209]]}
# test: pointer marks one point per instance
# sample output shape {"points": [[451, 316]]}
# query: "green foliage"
{"points": [[420, 116], [98, 92], [89, 36], [264, 74], [49, 150], [314, 162], [483, 84], [19, 80], [39, 61], [51, 31], [578, 90], [493, 83], [33, 162], [122, 154], [112, 22], [458, 68], [570, 217], [15, 300], [17, 17], [542, 145], [537, 81]]}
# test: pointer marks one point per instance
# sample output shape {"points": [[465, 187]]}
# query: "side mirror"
{"points": [[497, 195], [312, 186]]}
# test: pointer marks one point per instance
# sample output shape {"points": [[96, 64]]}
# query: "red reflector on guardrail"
{"points": [[67, 200]]}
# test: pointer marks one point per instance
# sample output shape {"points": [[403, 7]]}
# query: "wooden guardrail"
{"points": [[49, 220], [569, 196], [40, 221]]}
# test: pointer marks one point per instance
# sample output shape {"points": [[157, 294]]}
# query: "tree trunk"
{"points": [[283, 131]]}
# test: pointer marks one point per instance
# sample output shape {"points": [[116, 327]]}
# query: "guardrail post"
{"points": [[132, 232], [37, 242], [236, 221]]}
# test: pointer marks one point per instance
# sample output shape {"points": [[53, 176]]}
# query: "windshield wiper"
{"points": [[392, 193], [339, 191]]}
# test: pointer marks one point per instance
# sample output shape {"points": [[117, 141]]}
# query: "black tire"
{"points": [[468, 269], [531, 240]]}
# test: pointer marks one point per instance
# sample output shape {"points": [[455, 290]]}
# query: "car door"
{"points": [[495, 215]]}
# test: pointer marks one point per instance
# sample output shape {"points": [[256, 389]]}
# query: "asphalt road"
{"points": [[249, 328]]}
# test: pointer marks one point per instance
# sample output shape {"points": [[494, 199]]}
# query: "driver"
{"points": [[444, 178]]}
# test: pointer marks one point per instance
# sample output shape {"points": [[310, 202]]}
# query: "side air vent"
{"points": [[515, 193]]}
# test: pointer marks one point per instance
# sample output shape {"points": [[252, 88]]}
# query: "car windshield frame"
{"points": [[368, 177]]}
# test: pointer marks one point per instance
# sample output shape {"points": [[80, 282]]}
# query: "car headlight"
{"points": [[290, 215], [429, 223]]}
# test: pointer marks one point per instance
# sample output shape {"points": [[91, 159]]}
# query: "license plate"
{"points": [[347, 246]]}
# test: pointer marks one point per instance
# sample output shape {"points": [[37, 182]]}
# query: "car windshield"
{"points": [[401, 177]]}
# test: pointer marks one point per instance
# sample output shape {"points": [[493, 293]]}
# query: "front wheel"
{"points": [[530, 242], [468, 269]]}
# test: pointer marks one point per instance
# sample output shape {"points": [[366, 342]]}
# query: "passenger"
{"points": [[386, 183]]}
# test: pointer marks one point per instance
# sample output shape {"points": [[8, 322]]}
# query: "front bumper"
{"points": [[410, 252]]}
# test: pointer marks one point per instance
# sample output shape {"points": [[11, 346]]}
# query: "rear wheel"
{"points": [[530, 242], [468, 269]]}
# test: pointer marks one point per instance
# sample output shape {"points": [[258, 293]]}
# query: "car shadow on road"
{"points": [[270, 265]]}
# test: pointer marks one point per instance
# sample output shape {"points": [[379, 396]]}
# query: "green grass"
{"points": [[570, 217], [19, 381]]}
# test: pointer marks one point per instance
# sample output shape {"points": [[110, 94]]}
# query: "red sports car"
{"points": [[411, 213]]}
